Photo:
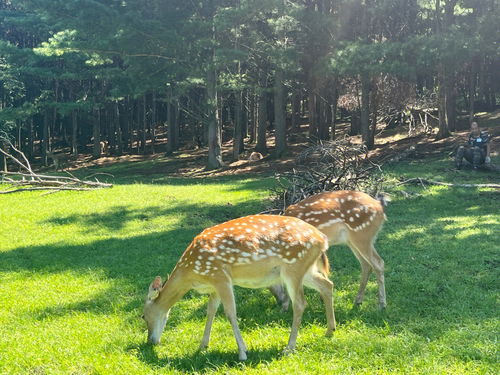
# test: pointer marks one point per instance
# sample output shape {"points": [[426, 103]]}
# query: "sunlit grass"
{"points": [[75, 266]]}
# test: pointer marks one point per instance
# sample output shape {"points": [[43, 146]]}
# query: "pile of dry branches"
{"points": [[326, 166], [27, 180]]}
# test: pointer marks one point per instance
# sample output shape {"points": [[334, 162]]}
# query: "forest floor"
{"points": [[389, 144]]}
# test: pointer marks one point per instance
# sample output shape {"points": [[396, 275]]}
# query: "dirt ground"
{"points": [[389, 144]]}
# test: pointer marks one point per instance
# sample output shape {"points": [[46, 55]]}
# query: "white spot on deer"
{"points": [[290, 261], [349, 197]]}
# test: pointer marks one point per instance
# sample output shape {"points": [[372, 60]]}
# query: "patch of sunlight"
{"points": [[406, 231], [35, 292], [467, 226]]}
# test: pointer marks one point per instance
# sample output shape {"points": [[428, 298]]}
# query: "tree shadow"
{"points": [[448, 275], [195, 216]]}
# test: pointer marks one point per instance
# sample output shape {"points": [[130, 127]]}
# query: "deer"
{"points": [[345, 217], [58, 160], [255, 156], [255, 251], [103, 147]]}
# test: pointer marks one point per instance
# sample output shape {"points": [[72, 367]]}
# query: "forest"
{"points": [[140, 77]]}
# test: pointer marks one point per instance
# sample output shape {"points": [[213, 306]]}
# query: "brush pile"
{"points": [[326, 166]]}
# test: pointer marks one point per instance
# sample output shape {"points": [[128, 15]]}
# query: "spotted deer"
{"points": [[252, 252], [349, 217]]}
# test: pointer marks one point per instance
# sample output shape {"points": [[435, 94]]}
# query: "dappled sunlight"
{"points": [[77, 287], [55, 290]]}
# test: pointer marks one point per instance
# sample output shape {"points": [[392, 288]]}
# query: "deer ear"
{"points": [[154, 288]]}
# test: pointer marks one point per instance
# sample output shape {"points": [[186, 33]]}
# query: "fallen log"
{"points": [[422, 181], [28, 180]]}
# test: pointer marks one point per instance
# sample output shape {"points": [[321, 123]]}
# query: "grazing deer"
{"points": [[255, 156], [58, 160], [349, 217], [252, 252], [104, 147]]}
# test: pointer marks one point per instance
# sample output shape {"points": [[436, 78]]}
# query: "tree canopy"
{"points": [[129, 73]]}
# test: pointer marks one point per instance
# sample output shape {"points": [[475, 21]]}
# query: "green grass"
{"points": [[75, 267]]}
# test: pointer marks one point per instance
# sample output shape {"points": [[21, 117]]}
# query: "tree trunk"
{"points": [[96, 133], [335, 99], [31, 138], [295, 111], [279, 114], [172, 129], [443, 131], [451, 109], [214, 128], [119, 132], [238, 127], [262, 118], [313, 122], [373, 125], [74, 133], [45, 137], [252, 117], [144, 122], [152, 122], [365, 110]]}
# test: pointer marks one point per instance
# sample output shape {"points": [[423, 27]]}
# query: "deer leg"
{"points": [[278, 291], [366, 270], [296, 293], [213, 305], [378, 266], [324, 286], [226, 294], [368, 257]]}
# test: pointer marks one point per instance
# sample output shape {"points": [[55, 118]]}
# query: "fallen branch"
{"points": [[55, 188], [27, 180], [423, 181]]}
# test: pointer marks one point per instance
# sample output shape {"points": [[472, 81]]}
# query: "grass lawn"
{"points": [[75, 267]]}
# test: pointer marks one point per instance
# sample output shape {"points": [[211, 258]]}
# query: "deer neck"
{"points": [[174, 289]]}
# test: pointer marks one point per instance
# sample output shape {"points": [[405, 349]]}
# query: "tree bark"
{"points": [[262, 116], [96, 133], [279, 114], [172, 129], [365, 110], [313, 122], [45, 137], [214, 128], [295, 111], [74, 133], [238, 127]]}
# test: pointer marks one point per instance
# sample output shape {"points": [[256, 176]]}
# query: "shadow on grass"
{"points": [[439, 271], [206, 360], [190, 215]]}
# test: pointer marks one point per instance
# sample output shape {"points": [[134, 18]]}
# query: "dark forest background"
{"points": [[148, 76]]}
